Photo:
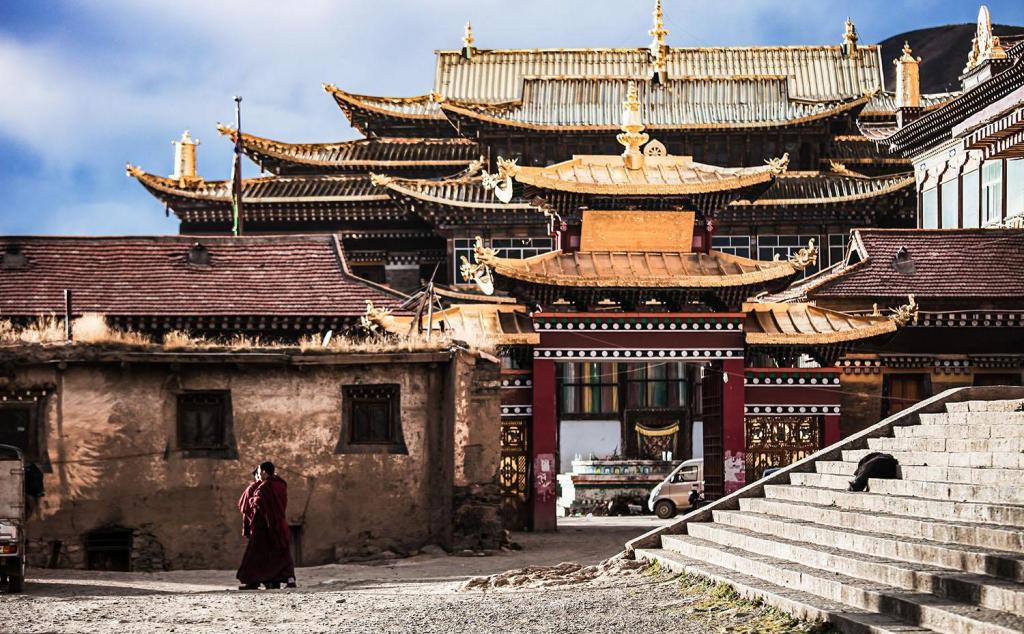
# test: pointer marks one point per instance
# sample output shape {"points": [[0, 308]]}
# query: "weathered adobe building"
{"points": [[146, 452], [146, 449]]}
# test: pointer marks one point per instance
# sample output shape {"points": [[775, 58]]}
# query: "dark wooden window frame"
{"points": [[36, 404], [226, 449], [352, 397]]}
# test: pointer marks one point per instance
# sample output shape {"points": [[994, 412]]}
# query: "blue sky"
{"points": [[91, 85]]}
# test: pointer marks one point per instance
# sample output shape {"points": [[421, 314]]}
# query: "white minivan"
{"points": [[673, 493]]}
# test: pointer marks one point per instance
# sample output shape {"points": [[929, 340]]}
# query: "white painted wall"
{"points": [[583, 437], [698, 439]]}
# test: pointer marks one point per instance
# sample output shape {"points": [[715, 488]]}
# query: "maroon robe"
{"points": [[268, 556]]}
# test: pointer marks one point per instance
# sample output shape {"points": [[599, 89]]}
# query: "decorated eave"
{"points": [[393, 116], [458, 202], [485, 325], [668, 112], [274, 199], [653, 270], [787, 330], [827, 196], [998, 130], [937, 126], [863, 155], [814, 73], [399, 156]]}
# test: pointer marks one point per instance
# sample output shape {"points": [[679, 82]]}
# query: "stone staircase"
{"points": [[940, 550]]}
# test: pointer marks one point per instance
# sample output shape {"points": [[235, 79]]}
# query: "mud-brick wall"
{"points": [[111, 440]]}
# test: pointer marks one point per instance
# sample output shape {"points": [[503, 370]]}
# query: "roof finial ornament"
{"points": [[985, 46], [501, 180], [658, 48], [479, 271], [185, 161], [808, 256], [908, 80], [905, 314], [467, 42], [850, 39], [632, 136]]}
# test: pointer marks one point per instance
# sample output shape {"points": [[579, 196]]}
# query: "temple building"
{"points": [[968, 153], [730, 107], [718, 289]]}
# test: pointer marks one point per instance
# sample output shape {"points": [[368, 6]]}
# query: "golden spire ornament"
{"points": [[467, 41], [658, 32], [632, 136], [850, 39], [908, 80]]}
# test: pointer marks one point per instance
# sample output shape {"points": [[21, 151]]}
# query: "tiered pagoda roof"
{"points": [[276, 201], [459, 202], [632, 258], [392, 155], [590, 104], [287, 284], [393, 116], [787, 330], [828, 196]]}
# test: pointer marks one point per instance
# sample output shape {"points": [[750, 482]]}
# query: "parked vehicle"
{"points": [[12, 518], [673, 494]]}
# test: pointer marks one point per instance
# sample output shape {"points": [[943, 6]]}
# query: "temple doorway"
{"points": [[622, 427]]}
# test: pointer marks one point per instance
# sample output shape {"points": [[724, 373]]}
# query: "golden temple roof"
{"points": [[607, 269], [494, 324], [659, 175], [805, 324]]}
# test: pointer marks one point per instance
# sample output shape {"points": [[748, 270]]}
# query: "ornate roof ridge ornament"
{"points": [[467, 42], [658, 48], [185, 161], [632, 136], [226, 130], [373, 320], [908, 80], [985, 45], [779, 164], [480, 271], [501, 181], [905, 314], [808, 256], [841, 168], [850, 39], [380, 180]]}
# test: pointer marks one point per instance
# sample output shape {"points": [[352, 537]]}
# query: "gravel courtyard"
{"points": [[425, 593]]}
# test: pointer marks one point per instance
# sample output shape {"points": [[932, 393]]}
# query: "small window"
{"points": [[204, 425], [733, 245], [930, 208], [950, 204], [16, 426], [992, 192], [837, 243], [371, 420], [1014, 188], [971, 191]]}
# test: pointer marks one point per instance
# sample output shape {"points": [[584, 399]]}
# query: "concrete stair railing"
{"points": [[939, 550]]}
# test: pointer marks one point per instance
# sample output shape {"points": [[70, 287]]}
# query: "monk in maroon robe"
{"points": [[268, 556]]}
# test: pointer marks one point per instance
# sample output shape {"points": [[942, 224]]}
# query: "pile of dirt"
{"points": [[563, 574]]}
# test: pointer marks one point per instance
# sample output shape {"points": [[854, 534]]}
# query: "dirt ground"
{"points": [[419, 594]]}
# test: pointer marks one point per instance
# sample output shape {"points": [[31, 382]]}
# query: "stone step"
{"points": [[963, 475], [941, 429], [1006, 514], [804, 605], [955, 491], [938, 613], [956, 572], [1013, 419], [947, 531], [949, 491], [1011, 405], [999, 445], [971, 459]]}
